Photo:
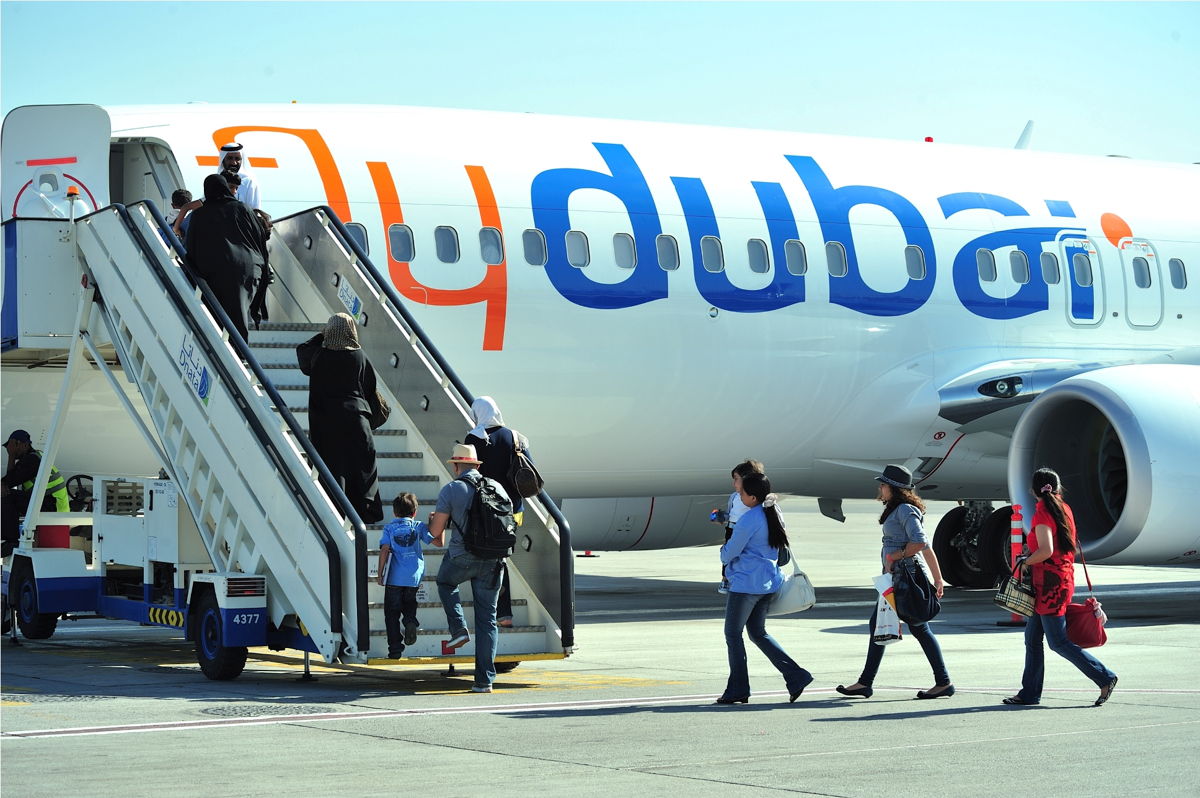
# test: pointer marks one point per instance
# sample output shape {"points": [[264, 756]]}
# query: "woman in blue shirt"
{"points": [[904, 536], [750, 557]]}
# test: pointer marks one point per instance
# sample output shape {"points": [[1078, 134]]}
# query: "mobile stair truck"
{"points": [[242, 539]]}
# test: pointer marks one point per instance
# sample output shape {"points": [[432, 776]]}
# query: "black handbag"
{"points": [[916, 600]]}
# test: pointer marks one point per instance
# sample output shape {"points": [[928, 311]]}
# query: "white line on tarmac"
{"points": [[551, 706]]}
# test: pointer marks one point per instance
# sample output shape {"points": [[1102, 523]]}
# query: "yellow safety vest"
{"points": [[56, 487]]}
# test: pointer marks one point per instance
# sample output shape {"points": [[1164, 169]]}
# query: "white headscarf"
{"points": [[247, 192], [486, 414]]}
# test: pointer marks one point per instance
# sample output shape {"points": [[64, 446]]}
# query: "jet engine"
{"points": [[1126, 442]]}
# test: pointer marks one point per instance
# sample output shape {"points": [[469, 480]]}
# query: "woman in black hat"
{"points": [[904, 536]]}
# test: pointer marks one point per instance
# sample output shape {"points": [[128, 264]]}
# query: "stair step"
{"points": [[272, 345], [429, 605], [291, 326], [377, 433], [504, 630], [411, 478]]}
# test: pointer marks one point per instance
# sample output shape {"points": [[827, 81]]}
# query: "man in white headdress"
{"points": [[232, 157]]}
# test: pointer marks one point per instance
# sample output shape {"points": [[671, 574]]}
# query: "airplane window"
{"points": [[914, 262], [1050, 268], [668, 252], [578, 254], [1083, 269], [1141, 272], [446, 241], [793, 253], [1178, 273], [534, 241], [625, 251], [359, 234], [491, 245], [835, 254], [711, 254], [985, 260], [400, 241], [1018, 261], [760, 259]]}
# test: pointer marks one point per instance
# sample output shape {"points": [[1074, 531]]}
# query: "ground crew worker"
{"points": [[23, 464]]}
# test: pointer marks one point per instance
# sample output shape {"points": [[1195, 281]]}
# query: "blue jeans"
{"points": [[749, 611], [1054, 629], [485, 588], [929, 644]]}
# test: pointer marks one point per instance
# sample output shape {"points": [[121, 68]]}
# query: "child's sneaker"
{"points": [[723, 588], [395, 653], [410, 633]]}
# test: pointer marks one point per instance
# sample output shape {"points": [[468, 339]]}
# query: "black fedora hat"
{"points": [[898, 476]]}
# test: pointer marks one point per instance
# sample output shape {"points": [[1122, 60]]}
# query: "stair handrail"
{"points": [[386, 289], [332, 489]]}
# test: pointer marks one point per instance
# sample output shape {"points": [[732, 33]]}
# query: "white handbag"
{"points": [[796, 595]]}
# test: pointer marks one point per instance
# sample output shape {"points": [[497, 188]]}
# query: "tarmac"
{"points": [[106, 708]]}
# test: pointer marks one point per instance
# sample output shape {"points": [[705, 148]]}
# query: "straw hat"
{"points": [[464, 453]]}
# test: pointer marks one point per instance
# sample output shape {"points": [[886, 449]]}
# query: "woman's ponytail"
{"points": [[758, 486], [1047, 487]]}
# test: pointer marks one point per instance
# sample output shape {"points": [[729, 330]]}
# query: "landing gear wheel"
{"points": [[943, 546], [219, 662], [506, 667], [995, 543], [957, 550], [33, 624]]}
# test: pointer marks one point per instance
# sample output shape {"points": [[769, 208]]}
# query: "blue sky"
{"points": [[1097, 78]]}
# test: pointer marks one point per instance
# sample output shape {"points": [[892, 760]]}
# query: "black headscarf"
{"points": [[215, 188]]}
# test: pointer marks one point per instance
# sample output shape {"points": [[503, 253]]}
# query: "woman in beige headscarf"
{"points": [[341, 392]]}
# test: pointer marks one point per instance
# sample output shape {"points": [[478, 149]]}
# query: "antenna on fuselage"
{"points": [[1026, 135]]}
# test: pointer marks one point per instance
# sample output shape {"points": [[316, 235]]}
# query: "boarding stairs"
{"points": [[230, 431]]}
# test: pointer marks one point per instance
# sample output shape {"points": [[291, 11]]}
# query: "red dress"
{"points": [[1053, 579]]}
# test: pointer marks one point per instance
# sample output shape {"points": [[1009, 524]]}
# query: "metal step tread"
{"points": [[429, 605], [504, 630], [291, 326]]}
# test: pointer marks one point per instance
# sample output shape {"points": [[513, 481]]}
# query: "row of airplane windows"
{"points": [[402, 244]]}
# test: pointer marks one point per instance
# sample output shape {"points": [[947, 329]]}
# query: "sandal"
{"points": [[1018, 701], [1105, 692]]}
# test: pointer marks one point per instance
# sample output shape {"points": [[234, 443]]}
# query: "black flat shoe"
{"points": [[1015, 701], [794, 693], [865, 692], [726, 700], [1105, 692], [943, 691]]}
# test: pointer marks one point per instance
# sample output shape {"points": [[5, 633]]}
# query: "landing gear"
{"points": [[23, 590], [995, 543], [219, 662], [956, 542]]}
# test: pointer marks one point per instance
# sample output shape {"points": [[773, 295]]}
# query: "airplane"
{"points": [[651, 303]]}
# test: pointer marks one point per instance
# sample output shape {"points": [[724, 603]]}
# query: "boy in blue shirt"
{"points": [[401, 566]]}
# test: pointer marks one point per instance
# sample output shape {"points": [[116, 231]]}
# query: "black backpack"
{"points": [[491, 531], [522, 473]]}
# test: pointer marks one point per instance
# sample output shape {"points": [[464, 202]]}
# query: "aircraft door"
{"points": [[1084, 280], [49, 149], [1143, 286]]}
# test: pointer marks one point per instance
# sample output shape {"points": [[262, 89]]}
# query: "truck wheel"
{"points": [[33, 624], [7, 621], [219, 662]]}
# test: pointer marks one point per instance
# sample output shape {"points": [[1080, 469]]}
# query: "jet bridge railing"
{"points": [[344, 275], [145, 224]]}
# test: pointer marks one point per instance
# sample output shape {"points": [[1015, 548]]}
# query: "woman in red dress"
{"points": [[1051, 545]]}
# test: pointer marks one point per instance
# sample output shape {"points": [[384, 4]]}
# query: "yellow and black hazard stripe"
{"points": [[166, 616]]}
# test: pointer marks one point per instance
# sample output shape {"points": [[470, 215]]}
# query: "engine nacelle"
{"points": [[647, 522], [1126, 442]]}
